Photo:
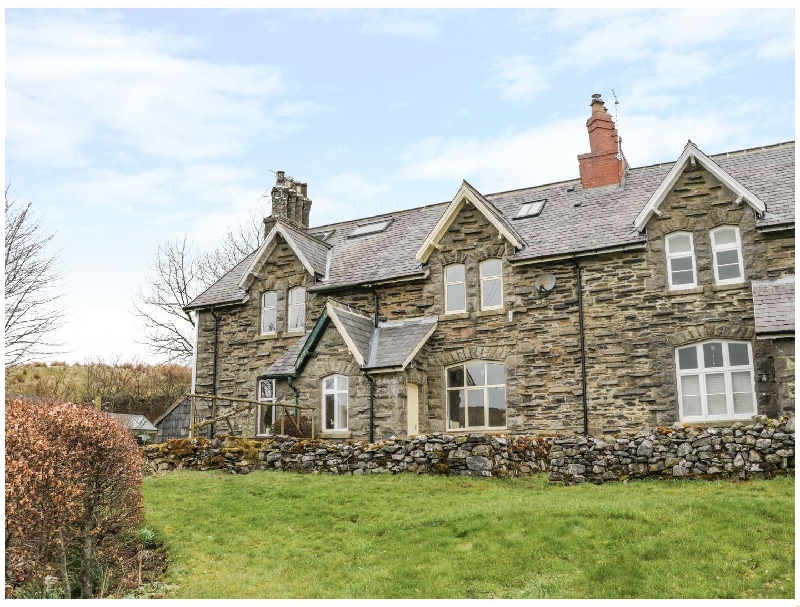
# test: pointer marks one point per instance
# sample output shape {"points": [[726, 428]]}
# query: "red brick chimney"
{"points": [[604, 165]]}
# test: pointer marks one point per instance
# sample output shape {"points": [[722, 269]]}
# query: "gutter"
{"points": [[777, 227], [349, 285], [587, 253]]}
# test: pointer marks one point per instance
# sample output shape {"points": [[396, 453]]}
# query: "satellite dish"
{"points": [[544, 282]]}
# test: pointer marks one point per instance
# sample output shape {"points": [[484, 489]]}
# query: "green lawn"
{"points": [[285, 535]]}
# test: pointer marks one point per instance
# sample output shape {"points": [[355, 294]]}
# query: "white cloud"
{"points": [[519, 78], [418, 24], [354, 187], [76, 81]]}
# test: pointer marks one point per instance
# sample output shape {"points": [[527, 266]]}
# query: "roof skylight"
{"points": [[530, 209], [370, 228]]}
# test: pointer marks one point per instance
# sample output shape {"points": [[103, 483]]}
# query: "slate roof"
{"points": [[394, 342], [773, 305], [285, 366], [572, 221], [314, 250], [132, 421], [357, 324]]}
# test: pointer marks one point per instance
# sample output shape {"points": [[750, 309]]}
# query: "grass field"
{"points": [[285, 535]]}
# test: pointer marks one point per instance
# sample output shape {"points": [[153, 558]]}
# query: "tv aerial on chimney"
{"points": [[616, 123]]}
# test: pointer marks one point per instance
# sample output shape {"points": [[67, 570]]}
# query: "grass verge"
{"points": [[285, 535]]}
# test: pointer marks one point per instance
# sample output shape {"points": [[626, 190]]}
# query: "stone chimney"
{"points": [[290, 200], [604, 165]]}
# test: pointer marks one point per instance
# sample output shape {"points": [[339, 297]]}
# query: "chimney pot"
{"points": [[290, 201], [604, 164]]}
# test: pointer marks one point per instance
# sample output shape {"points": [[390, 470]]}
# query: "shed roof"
{"points": [[773, 305]]}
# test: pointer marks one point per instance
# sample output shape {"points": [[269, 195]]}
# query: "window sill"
{"points": [[492, 312], [454, 316], [730, 287], [336, 434], [295, 332], [267, 336], [679, 292], [472, 430]]}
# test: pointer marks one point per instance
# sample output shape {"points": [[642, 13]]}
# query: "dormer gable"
{"points": [[693, 156], [467, 193], [311, 252]]}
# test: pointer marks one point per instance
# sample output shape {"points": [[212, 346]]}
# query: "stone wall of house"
{"points": [[760, 448], [783, 354]]}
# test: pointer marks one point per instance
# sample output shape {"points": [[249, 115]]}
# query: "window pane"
{"points": [[683, 278], [268, 321], [342, 411], [456, 297], [297, 317], [329, 383], [329, 411], [679, 243], [455, 408], [727, 257], [681, 264], [270, 299], [724, 236], [491, 293], [267, 389], [475, 408], [496, 374], [729, 272], [712, 354], [738, 355], [455, 377], [687, 358], [497, 406], [690, 395], [297, 296], [742, 384], [476, 374], [342, 382], [491, 267], [715, 394], [454, 273]]}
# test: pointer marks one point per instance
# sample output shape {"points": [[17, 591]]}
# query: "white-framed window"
{"points": [[455, 289], [680, 260], [267, 414], [491, 273], [476, 395], [334, 402], [269, 316], [715, 380], [297, 309], [726, 247]]}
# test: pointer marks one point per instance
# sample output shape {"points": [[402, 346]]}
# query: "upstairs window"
{"points": [[491, 271], [370, 228], [297, 309], [455, 289], [530, 209], [726, 247], [269, 307], [476, 395], [715, 381], [335, 402], [266, 411], [680, 261]]}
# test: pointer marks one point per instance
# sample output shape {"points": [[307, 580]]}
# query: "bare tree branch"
{"points": [[178, 275], [33, 282]]}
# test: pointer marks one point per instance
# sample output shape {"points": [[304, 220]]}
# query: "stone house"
{"points": [[626, 298]]}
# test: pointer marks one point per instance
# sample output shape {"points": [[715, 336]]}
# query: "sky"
{"points": [[129, 128]]}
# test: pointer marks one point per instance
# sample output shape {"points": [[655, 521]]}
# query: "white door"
{"points": [[413, 409]]}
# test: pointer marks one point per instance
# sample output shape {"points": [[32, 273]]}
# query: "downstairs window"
{"points": [[476, 395]]}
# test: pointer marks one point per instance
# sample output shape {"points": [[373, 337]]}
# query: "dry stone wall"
{"points": [[762, 448]]}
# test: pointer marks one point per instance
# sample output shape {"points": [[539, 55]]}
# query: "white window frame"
{"points": [[737, 246], [727, 369], [447, 310], [265, 308], [262, 399], [485, 388], [341, 385], [484, 279], [291, 305], [671, 256]]}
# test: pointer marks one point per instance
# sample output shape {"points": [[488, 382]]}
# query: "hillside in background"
{"points": [[130, 387]]}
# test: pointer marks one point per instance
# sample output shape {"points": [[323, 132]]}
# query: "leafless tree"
{"points": [[34, 279], [179, 274]]}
